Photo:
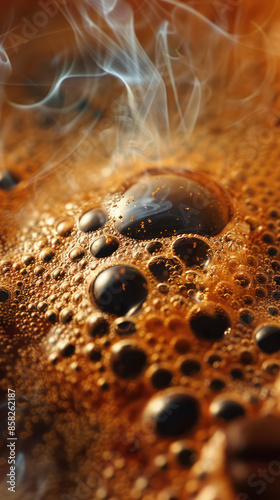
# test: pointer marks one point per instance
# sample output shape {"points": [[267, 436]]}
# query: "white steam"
{"points": [[136, 80]]}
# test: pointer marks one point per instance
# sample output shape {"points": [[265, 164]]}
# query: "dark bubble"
{"points": [[28, 259], [246, 357], [190, 367], [276, 279], [268, 338], [209, 323], [67, 351], [272, 251], [162, 268], [46, 255], [276, 295], [154, 247], [174, 412], [51, 316], [58, 273], [185, 454], [161, 377], [181, 345], [93, 353], [124, 326], [227, 409], [127, 359], [213, 359], [77, 253], [104, 246], [66, 315], [4, 295], [193, 251], [261, 278], [268, 238], [248, 300], [273, 310], [168, 204], [97, 326], [275, 265], [242, 280], [236, 373], [8, 180], [246, 316], [119, 290], [272, 368], [92, 220], [217, 384]]}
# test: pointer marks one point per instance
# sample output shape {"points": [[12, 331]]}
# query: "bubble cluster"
{"points": [[154, 315]]}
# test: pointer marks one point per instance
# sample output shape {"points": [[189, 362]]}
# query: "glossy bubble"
{"points": [[104, 246], [174, 412], [168, 204], [209, 322], [162, 268], [4, 294], [227, 409], [268, 338], [92, 220], [119, 290], [193, 251], [127, 359]]}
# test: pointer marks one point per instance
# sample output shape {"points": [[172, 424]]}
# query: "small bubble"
{"points": [[65, 315], [97, 326], [104, 246], [174, 412], [268, 338], [77, 253], [51, 316], [92, 220], [246, 316], [93, 352], [160, 377], [193, 251], [181, 345], [242, 280], [227, 409], [185, 454], [154, 247], [46, 255], [67, 350], [217, 384], [39, 270], [58, 273], [162, 268], [4, 294], [190, 367], [209, 322], [64, 227], [271, 367], [28, 259], [124, 326], [127, 359]]}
